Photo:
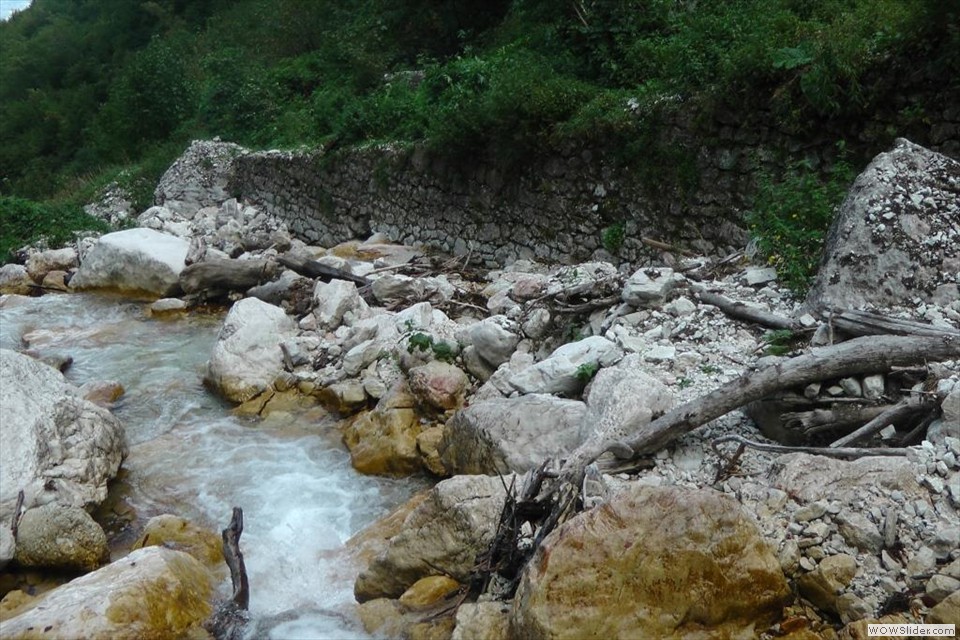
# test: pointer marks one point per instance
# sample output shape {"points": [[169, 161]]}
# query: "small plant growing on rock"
{"points": [[612, 238], [586, 371], [425, 342], [780, 342]]}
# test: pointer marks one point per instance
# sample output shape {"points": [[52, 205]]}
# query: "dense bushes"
{"points": [[23, 221]]}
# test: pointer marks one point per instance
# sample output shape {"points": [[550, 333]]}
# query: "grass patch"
{"points": [[24, 222]]}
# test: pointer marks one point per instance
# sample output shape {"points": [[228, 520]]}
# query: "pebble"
{"points": [[807, 564], [809, 512]]}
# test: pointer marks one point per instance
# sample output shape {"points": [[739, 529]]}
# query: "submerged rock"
{"points": [[652, 563]]}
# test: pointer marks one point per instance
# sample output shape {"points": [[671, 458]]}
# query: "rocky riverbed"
{"points": [[475, 377]]}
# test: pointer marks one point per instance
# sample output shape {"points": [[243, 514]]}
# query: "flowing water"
{"points": [[189, 456]]}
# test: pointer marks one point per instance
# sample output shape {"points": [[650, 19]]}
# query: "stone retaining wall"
{"points": [[557, 207]]}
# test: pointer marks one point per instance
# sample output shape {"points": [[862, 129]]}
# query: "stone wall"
{"points": [[698, 181]]}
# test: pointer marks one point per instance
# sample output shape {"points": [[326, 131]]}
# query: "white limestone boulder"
{"points": [[41, 263], [55, 446], [247, 357], [141, 261], [510, 434], [335, 299], [566, 370], [493, 340]]}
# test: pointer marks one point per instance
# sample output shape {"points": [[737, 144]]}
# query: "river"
{"points": [[189, 456]]}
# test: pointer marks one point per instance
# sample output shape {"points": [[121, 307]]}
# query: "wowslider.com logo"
{"points": [[927, 630]]}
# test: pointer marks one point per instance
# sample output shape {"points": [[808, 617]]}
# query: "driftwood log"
{"points": [[741, 311], [319, 271], [864, 323], [231, 619], [216, 278]]}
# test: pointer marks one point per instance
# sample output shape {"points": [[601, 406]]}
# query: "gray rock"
{"points": [[53, 536], [680, 307], [510, 434], [860, 532], [198, 178], [648, 287], [945, 541], [135, 260], [755, 276], [333, 300], [873, 386], [922, 562], [809, 512], [559, 372], [14, 279], [7, 546], [493, 340], [897, 234], [41, 263], [247, 357], [851, 387], [56, 447], [941, 586], [811, 478]]}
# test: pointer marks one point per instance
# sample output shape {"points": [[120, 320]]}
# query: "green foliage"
{"points": [[791, 215], [587, 371], [424, 342], [780, 342], [612, 237], [25, 222]]}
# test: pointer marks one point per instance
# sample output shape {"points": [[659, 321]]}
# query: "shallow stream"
{"points": [[189, 456]]}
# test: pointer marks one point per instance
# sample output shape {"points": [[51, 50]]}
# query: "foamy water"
{"points": [[301, 498]]}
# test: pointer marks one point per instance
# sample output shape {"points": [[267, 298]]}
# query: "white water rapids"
{"points": [[189, 456]]}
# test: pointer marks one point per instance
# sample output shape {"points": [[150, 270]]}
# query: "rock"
{"points": [[428, 591], [940, 586], [850, 607], [7, 547], [811, 478], [53, 536], [55, 281], [482, 621], [384, 441], [428, 443], [198, 178], [951, 408], [54, 446], [823, 585], [392, 287], [438, 385], [492, 340], [873, 386], [945, 541], [440, 536], [648, 287], [755, 276], [680, 307], [510, 434], [374, 540], [333, 300], [41, 263], [174, 532], [947, 612], [151, 593], [860, 532], [627, 569], [897, 234], [858, 630], [247, 357], [167, 307], [561, 372], [391, 619], [346, 398], [14, 279], [139, 261], [477, 366], [102, 393]]}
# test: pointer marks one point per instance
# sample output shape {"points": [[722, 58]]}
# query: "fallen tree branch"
{"points": [[15, 525], [317, 270], [831, 452], [234, 559], [741, 311], [898, 412], [865, 323], [216, 277]]}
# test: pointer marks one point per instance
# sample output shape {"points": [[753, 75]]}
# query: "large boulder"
{"points": [[247, 357], [896, 236], [384, 441], [199, 178], [55, 446], [653, 562], [811, 478], [60, 537], [140, 261], [15, 279], [40, 263], [568, 368], [493, 340], [152, 593], [510, 434], [441, 536]]}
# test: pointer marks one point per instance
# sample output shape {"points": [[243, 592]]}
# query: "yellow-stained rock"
{"points": [[428, 591], [13, 603], [55, 536], [652, 562], [345, 398], [947, 612], [152, 594], [102, 393], [372, 541], [389, 619], [858, 630], [482, 621], [384, 442], [427, 443], [272, 401], [823, 585], [177, 533]]}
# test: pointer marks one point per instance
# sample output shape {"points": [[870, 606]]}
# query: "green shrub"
{"points": [[612, 238], [25, 222], [791, 215]]}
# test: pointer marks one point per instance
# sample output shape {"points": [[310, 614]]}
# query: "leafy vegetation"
{"points": [[586, 371], [23, 221], [780, 342], [89, 86], [424, 342], [791, 216]]}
